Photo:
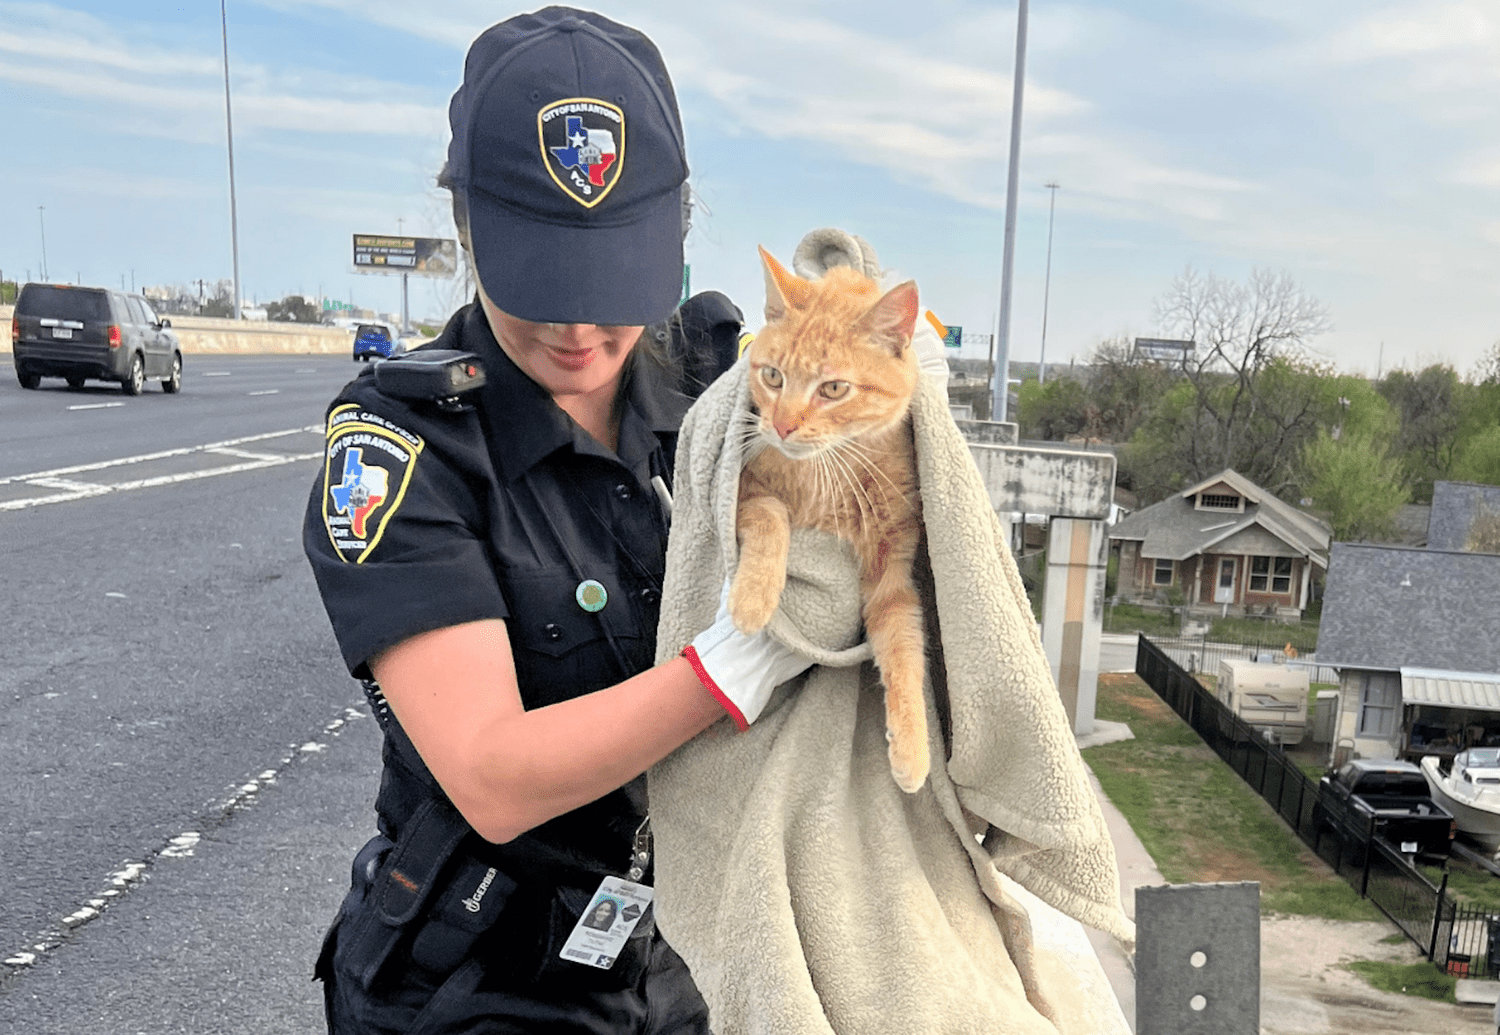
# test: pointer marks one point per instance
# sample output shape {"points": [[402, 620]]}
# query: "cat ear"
{"points": [[891, 321], [783, 290]]}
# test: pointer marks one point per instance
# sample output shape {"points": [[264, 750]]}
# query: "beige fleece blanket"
{"points": [[806, 891]]}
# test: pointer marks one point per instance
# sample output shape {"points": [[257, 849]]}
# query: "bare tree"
{"points": [[1239, 332]]}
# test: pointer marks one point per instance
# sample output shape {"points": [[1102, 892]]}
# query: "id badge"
{"points": [[612, 914]]}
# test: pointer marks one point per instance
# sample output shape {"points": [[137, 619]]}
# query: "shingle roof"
{"points": [[1174, 530], [1386, 607], [1455, 505]]}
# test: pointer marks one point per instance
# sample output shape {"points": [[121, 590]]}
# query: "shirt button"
{"points": [[552, 631], [622, 491], [650, 595]]}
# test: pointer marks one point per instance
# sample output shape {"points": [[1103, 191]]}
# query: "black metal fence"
{"points": [[1452, 936]]}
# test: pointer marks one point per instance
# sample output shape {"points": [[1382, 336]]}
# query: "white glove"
{"points": [[741, 671]]}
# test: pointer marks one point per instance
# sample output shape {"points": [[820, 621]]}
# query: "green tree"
{"points": [[293, 309], [1437, 410], [1355, 482], [1053, 411], [1124, 388]]}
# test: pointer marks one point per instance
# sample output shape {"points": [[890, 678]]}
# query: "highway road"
{"points": [[185, 766]]}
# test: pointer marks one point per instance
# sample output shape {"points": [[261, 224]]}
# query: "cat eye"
{"points": [[834, 389], [771, 376]]}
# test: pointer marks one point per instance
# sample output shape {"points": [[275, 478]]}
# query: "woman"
{"points": [[493, 570]]}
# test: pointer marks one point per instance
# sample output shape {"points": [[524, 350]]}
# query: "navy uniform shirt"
{"points": [[424, 519]]}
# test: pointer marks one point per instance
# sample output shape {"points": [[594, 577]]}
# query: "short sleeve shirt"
{"points": [[423, 519]]}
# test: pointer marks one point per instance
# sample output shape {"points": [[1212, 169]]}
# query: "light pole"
{"points": [[43, 224], [1001, 388], [234, 225], [1041, 373]]}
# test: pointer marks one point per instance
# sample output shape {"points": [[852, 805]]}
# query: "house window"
{"points": [[1162, 574], [1379, 704], [1272, 574], [1217, 501]]}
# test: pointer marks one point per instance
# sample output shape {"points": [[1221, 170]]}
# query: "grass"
{"points": [[1300, 635], [1198, 820], [1419, 979], [1129, 618], [1468, 884]]}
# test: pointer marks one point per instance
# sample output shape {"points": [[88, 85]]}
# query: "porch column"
{"points": [[1073, 613], [1306, 581]]}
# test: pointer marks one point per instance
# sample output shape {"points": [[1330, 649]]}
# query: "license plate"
{"points": [[1409, 847], [61, 332]]}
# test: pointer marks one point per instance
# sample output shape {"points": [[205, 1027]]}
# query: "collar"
{"points": [[525, 425]]}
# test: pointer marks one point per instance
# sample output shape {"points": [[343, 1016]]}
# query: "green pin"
{"points": [[591, 596]]}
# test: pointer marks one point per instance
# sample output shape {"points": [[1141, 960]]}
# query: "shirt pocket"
{"points": [[561, 648]]}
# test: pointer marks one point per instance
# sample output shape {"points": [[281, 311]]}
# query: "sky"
{"points": [[1353, 144]]}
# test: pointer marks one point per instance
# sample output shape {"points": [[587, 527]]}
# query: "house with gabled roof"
{"points": [[1226, 545], [1415, 635]]}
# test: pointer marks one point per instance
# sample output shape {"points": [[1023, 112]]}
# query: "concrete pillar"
{"points": [[1073, 613]]}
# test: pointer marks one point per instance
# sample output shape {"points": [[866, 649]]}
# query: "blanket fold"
{"points": [[806, 891]]}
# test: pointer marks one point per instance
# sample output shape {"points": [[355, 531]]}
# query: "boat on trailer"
{"points": [[1469, 788]]}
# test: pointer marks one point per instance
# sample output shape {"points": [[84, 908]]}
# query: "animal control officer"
{"points": [[494, 572]]}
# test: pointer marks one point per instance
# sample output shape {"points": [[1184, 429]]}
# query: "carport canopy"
{"points": [[1472, 691]]}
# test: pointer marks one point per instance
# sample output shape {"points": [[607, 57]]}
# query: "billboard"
{"points": [[420, 256]]}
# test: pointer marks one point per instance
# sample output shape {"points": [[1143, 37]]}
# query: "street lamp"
{"points": [[1007, 262], [43, 224], [1041, 374], [234, 226]]}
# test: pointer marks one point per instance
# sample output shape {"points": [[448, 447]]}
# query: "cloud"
{"points": [[182, 91]]}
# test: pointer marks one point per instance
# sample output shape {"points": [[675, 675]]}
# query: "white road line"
{"points": [[243, 454], [151, 483], [214, 373], [95, 406], [268, 391], [179, 846], [102, 465], [64, 484]]}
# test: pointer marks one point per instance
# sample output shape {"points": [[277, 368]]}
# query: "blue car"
{"points": [[376, 341]]}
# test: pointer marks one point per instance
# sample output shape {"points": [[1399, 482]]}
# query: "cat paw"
{"points": [[749, 609], [909, 764]]}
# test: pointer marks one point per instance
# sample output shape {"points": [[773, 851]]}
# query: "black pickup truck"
{"points": [[1391, 800]]}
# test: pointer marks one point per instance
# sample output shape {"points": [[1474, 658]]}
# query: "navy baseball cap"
{"points": [[567, 147]]}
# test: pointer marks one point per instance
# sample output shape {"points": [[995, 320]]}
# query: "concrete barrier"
{"points": [[206, 335]]}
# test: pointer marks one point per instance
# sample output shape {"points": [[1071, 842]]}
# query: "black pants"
{"points": [[492, 991]]}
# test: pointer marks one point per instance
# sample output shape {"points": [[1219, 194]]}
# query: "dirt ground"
{"points": [[1305, 990]]}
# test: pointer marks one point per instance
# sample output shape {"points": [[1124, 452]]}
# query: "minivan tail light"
{"points": [[114, 335], [15, 329]]}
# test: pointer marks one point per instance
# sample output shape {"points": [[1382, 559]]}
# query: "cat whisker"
{"points": [[858, 451], [858, 490]]}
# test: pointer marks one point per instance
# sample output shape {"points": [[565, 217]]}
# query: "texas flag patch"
{"points": [[369, 465], [583, 146]]}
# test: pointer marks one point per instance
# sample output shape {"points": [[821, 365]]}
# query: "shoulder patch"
{"points": [[368, 467]]}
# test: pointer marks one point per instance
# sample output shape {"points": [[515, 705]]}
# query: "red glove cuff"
{"points": [[691, 653]]}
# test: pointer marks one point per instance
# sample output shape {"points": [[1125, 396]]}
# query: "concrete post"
{"points": [[1073, 613]]}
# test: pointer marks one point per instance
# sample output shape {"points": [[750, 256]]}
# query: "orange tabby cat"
{"points": [[832, 376]]}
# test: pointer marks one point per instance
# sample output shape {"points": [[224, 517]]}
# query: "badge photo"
{"points": [[583, 145], [368, 467]]}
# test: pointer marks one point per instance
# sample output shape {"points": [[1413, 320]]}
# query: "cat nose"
{"points": [[784, 428]]}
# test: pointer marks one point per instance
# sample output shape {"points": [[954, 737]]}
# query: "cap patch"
{"points": [[369, 465], [583, 146]]}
